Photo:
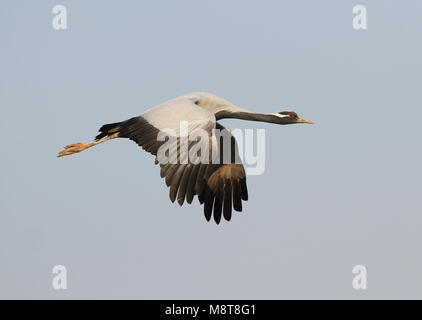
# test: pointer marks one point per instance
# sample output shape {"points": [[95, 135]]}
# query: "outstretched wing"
{"points": [[220, 184]]}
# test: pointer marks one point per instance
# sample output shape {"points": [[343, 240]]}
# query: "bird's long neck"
{"points": [[252, 116]]}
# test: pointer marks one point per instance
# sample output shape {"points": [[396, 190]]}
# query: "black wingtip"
{"points": [[218, 206]]}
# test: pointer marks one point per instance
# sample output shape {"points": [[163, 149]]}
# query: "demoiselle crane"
{"points": [[218, 179]]}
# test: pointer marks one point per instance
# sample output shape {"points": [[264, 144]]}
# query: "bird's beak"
{"points": [[306, 121]]}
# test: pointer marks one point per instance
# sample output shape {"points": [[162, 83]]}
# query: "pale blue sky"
{"points": [[345, 191]]}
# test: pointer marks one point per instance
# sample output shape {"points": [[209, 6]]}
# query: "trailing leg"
{"points": [[78, 147]]}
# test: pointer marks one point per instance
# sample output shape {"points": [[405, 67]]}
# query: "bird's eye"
{"points": [[291, 115]]}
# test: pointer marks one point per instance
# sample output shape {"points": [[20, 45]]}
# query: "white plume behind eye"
{"points": [[281, 115]]}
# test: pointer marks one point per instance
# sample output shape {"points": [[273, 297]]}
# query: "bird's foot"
{"points": [[74, 148]]}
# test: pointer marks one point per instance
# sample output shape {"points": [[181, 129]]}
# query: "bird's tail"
{"points": [[109, 129], [123, 129]]}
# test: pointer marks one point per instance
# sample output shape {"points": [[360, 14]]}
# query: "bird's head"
{"points": [[290, 117]]}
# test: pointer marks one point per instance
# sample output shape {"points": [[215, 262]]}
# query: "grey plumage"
{"points": [[220, 187]]}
